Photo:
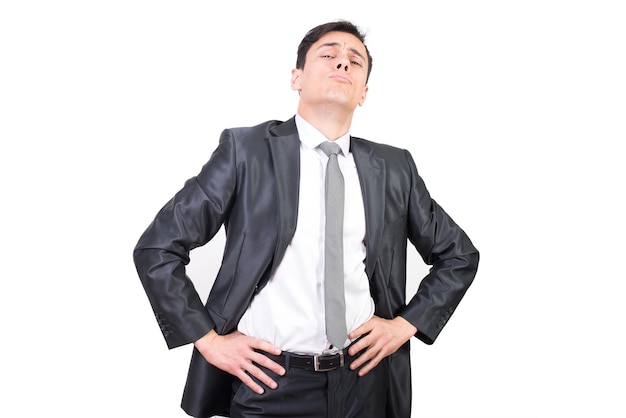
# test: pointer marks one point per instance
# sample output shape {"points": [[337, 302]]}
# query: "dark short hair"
{"points": [[317, 32]]}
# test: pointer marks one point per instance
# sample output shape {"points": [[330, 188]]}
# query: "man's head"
{"points": [[332, 70], [317, 32]]}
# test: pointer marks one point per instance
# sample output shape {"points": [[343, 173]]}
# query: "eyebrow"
{"points": [[353, 50]]}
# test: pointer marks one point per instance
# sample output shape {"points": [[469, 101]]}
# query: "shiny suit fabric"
{"points": [[250, 185]]}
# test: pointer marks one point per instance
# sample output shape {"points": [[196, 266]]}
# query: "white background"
{"points": [[513, 110]]}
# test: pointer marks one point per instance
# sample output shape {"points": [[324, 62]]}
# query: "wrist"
{"points": [[408, 329], [206, 339]]}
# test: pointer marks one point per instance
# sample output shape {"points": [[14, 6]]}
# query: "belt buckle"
{"points": [[318, 357]]}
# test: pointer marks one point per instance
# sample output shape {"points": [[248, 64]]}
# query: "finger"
{"points": [[364, 328], [365, 354], [362, 344], [265, 346], [368, 367], [369, 364], [358, 362], [247, 380], [356, 332], [370, 357], [264, 361], [260, 375]]}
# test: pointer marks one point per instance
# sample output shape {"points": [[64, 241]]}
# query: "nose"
{"points": [[344, 64]]}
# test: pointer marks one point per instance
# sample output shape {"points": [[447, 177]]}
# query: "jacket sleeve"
{"points": [[448, 250], [189, 220]]}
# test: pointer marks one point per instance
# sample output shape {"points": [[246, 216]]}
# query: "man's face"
{"points": [[335, 72]]}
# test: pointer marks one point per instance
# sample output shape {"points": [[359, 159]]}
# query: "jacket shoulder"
{"points": [[378, 149], [263, 130]]}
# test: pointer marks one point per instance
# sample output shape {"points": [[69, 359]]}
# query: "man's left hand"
{"points": [[382, 338]]}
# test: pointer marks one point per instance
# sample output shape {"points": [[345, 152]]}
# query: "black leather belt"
{"points": [[318, 363]]}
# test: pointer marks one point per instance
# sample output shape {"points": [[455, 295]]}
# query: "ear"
{"points": [[295, 79], [363, 96]]}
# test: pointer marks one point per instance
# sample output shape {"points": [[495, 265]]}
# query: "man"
{"points": [[261, 342]]}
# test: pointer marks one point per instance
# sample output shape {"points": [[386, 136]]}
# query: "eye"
{"points": [[327, 56], [357, 63]]}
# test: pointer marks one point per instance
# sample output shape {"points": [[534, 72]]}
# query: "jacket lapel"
{"points": [[285, 150], [371, 172]]}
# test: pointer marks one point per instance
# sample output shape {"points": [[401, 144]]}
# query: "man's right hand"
{"points": [[236, 354]]}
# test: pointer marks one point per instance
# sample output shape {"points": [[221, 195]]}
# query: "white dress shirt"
{"points": [[289, 311]]}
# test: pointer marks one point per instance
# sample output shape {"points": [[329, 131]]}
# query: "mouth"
{"points": [[341, 79]]}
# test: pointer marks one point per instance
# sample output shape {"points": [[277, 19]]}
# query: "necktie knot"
{"points": [[330, 148]]}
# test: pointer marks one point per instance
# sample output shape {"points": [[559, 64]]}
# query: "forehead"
{"points": [[341, 40]]}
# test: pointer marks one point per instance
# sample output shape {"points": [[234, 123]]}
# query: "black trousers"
{"points": [[338, 393]]}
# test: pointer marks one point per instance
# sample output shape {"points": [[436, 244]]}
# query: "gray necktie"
{"points": [[334, 298]]}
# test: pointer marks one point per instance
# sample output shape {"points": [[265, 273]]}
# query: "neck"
{"points": [[332, 121]]}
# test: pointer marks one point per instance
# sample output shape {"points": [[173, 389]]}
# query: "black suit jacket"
{"points": [[250, 185]]}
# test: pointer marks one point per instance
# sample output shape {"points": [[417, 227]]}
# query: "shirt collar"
{"points": [[311, 137]]}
